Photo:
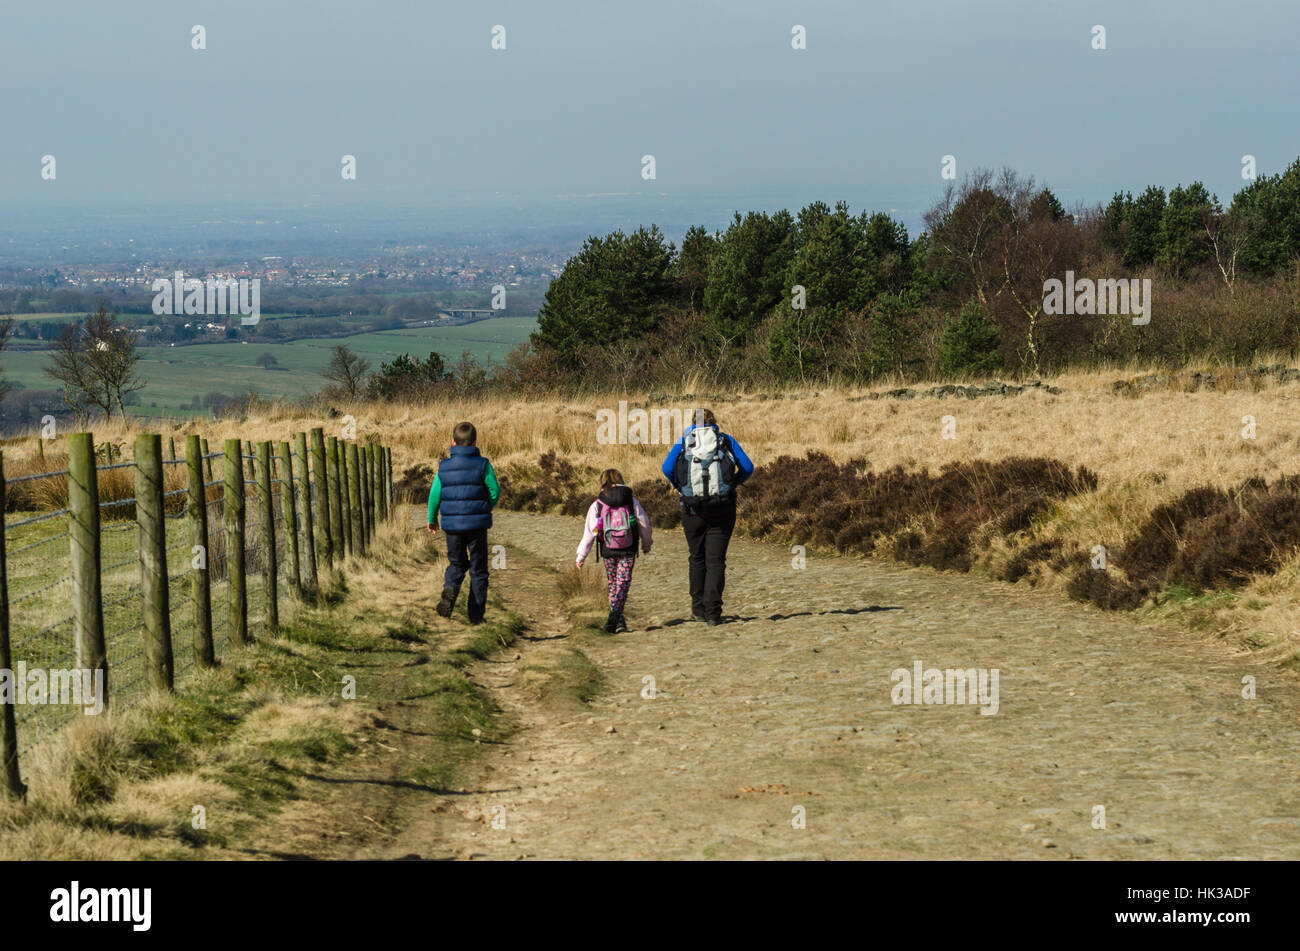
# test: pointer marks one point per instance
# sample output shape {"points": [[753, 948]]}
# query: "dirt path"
{"points": [[789, 705]]}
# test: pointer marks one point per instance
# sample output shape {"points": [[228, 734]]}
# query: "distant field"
{"points": [[176, 374]]}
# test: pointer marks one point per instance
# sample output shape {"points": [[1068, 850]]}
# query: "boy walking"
{"points": [[465, 490]]}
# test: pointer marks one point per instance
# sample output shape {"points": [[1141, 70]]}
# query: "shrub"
{"points": [[969, 344]]}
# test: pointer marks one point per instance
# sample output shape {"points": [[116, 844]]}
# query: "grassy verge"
{"points": [[559, 673], [195, 774]]}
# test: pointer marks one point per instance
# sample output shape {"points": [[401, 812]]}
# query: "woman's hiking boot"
{"points": [[447, 602], [713, 621], [620, 626], [611, 622]]}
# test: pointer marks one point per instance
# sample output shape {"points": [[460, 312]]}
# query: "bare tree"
{"points": [[962, 227], [95, 361], [114, 357], [70, 366], [1226, 235], [1004, 235], [1038, 241], [347, 370]]}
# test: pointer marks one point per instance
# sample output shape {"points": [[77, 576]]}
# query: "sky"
{"points": [[135, 117]]}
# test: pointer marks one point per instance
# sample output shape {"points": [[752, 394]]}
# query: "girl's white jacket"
{"points": [[592, 528]]}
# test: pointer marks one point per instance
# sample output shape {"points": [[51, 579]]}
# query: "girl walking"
{"points": [[618, 525]]}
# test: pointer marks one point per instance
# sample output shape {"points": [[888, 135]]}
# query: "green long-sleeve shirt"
{"points": [[435, 492]]}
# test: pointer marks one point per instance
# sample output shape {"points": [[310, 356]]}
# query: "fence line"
{"points": [[102, 587]]}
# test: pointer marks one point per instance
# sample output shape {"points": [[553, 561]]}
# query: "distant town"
{"points": [[376, 290]]}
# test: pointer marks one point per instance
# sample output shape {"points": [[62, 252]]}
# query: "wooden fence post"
{"points": [[368, 464], [233, 512], [368, 492], [378, 452], [205, 452], [83, 531], [307, 564], [377, 503], [289, 509], [345, 524], [151, 520], [200, 581], [270, 561], [361, 498], [370, 488], [13, 782], [354, 499], [363, 479], [345, 506], [358, 514], [321, 499], [388, 479], [332, 494]]}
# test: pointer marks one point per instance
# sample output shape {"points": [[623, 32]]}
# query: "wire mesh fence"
{"points": [[40, 598], [159, 619]]}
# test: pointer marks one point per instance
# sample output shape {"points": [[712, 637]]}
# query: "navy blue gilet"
{"points": [[465, 505]]}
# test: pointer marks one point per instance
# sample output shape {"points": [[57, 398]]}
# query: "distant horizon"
{"points": [[671, 210]]}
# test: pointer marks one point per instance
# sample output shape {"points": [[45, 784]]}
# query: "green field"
{"points": [[176, 374]]}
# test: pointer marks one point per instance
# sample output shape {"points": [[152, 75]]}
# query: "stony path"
{"points": [[789, 706]]}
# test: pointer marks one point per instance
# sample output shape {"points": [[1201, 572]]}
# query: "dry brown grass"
{"points": [[1146, 451], [1153, 447], [125, 785]]}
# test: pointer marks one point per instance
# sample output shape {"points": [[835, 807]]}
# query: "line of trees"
{"points": [[406, 378], [827, 294]]}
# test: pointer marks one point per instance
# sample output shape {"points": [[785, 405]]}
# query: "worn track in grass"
{"points": [[789, 705]]}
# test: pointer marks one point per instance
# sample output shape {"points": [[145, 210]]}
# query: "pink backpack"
{"points": [[617, 529]]}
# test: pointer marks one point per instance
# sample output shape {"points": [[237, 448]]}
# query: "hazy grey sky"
{"points": [[712, 89]]}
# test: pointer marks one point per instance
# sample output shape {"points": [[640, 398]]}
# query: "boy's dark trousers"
{"points": [[708, 532], [468, 551]]}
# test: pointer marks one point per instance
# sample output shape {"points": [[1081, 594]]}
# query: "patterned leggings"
{"points": [[618, 572]]}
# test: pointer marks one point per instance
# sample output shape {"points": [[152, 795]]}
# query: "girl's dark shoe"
{"points": [[447, 602], [611, 622], [620, 627], [713, 621]]}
